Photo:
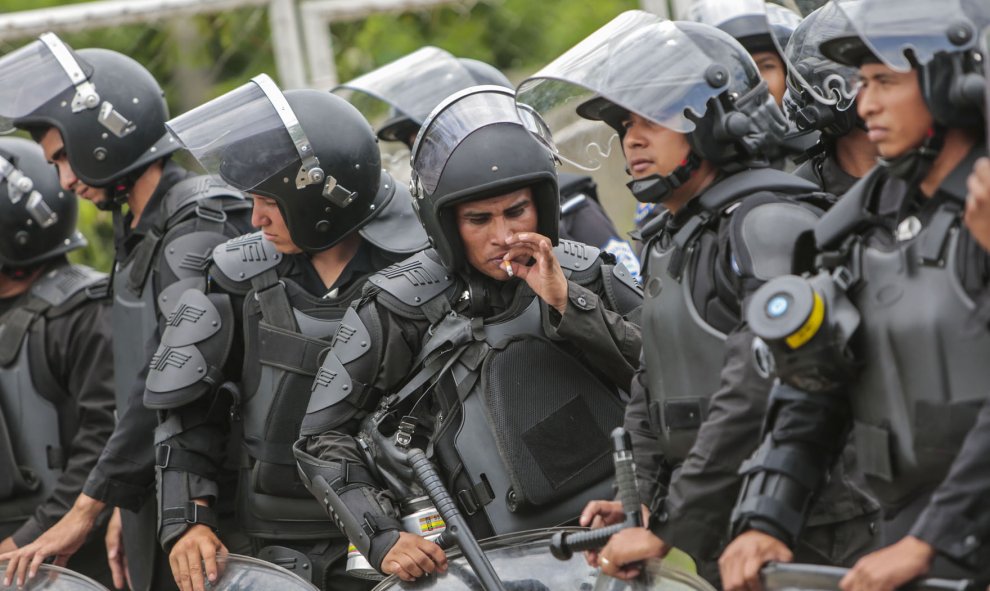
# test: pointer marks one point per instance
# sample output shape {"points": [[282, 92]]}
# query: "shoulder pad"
{"points": [[196, 188], [331, 385], [396, 229], [415, 280], [169, 296], [747, 182], [576, 256], [195, 343], [188, 255], [245, 257], [59, 285], [352, 339], [846, 216], [624, 292], [763, 235]]}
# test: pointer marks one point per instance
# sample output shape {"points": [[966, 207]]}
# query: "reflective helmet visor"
{"points": [[893, 30], [639, 63], [458, 117], [410, 86], [240, 136], [35, 74]]}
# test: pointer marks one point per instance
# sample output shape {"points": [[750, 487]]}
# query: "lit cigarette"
{"points": [[507, 265]]}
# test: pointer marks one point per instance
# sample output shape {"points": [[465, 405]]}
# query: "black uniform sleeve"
{"points": [[609, 341], [957, 519], [79, 352], [334, 466], [125, 471], [652, 474]]}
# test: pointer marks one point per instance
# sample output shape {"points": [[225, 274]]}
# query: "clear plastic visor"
{"points": [[29, 78], [840, 86], [53, 578], [639, 62], [411, 86], [716, 12], [893, 30], [238, 137], [453, 121], [243, 573]]}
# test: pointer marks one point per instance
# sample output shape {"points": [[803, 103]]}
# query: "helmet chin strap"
{"points": [[914, 165], [657, 188]]}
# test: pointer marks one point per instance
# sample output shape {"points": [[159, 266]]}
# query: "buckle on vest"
{"points": [[163, 450], [209, 214]]}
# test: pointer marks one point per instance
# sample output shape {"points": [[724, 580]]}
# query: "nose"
{"points": [[866, 103], [633, 138], [259, 215], [66, 177], [500, 230]]}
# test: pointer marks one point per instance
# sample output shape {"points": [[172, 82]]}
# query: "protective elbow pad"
{"points": [[622, 289], [779, 482], [353, 499], [199, 333]]}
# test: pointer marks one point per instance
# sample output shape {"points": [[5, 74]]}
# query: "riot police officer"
{"points": [[503, 348], [99, 117], [902, 286], [56, 375], [694, 138], [413, 85], [821, 97], [329, 216]]}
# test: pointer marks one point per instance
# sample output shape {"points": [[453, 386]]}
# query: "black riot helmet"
{"points": [[37, 218], [821, 93], [688, 77], [412, 86], [757, 25], [109, 109], [939, 39], [310, 151], [477, 144]]}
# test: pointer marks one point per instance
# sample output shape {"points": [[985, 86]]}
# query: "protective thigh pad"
{"points": [[197, 340]]}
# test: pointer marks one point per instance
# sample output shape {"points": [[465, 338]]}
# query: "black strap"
{"points": [[174, 458], [273, 300], [191, 514], [141, 260], [288, 350]]}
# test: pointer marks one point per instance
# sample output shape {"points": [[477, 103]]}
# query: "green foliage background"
{"points": [[202, 57]]}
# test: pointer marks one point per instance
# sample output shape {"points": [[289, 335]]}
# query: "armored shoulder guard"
{"points": [[239, 260], [850, 213], [65, 286], [763, 235], [396, 229], [414, 281], [197, 339], [575, 257], [623, 291], [191, 192]]}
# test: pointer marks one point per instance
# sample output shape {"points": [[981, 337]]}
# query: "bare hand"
{"points": [[197, 547], [545, 277], [412, 557], [742, 560], [61, 540], [115, 552], [622, 557], [978, 203], [7, 545], [890, 567], [598, 514]]}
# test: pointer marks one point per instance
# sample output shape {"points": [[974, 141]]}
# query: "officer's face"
{"points": [[267, 217], [486, 224], [652, 149], [54, 148], [772, 70], [894, 109]]}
